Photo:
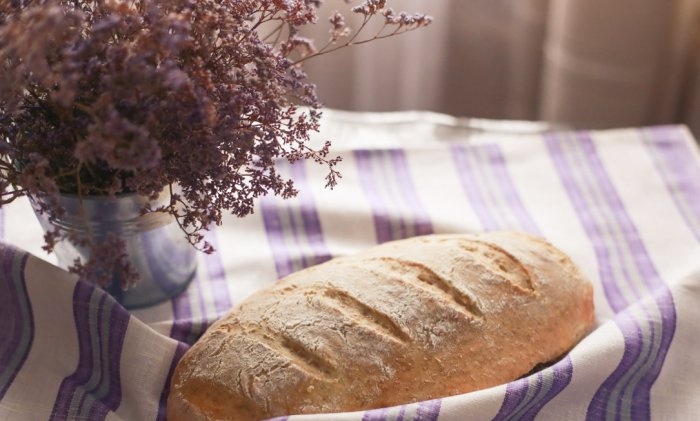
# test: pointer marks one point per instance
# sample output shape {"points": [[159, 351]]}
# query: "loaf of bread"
{"points": [[404, 321]]}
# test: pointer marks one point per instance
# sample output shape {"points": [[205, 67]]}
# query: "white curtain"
{"points": [[581, 63]]}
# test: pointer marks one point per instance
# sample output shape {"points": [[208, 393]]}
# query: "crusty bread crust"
{"points": [[405, 321]]}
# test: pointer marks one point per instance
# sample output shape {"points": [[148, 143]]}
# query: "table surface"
{"points": [[624, 204]]}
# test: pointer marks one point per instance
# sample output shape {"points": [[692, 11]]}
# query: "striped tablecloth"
{"points": [[625, 204]]}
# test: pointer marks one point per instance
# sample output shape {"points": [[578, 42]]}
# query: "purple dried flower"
{"points": [[103, 98], [370, 7], [339, 28], [337, 20]]}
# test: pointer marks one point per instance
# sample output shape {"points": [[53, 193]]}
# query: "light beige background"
{"points": [[583, 63]]}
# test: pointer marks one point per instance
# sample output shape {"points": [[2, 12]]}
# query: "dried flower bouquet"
{"points": [[135, 96]]}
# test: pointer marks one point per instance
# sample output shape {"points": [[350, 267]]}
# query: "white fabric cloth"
{"points": [[625, 205]]}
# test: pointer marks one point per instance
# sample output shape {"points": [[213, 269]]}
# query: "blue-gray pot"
{"points": [[155, 245]]}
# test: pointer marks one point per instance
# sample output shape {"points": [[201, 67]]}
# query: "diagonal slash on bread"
{"points": [[404, 321]]}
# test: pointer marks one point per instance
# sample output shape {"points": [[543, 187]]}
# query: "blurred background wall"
{"points": [[582, 63]]}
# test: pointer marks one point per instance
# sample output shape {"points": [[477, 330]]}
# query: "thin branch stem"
{"points": [[399, 30], [277, 30], [324, 49]]}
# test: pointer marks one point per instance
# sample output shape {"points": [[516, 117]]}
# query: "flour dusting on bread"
{"points": [[404, 321]]}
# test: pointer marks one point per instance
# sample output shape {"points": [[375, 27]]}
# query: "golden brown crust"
{"points": [[404, 321]]}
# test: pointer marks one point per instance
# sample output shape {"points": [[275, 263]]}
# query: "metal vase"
{"points": [[155, 244]]}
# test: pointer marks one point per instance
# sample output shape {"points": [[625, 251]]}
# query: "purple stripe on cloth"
{"points": [[163, 402], [200, 325], [181, 331], [82, 294], [622, 218], [275, 237], [185, 329], [422, 224], [515, 394], [205, 316], [217, 276], [428, 410], [618, 302], [637, 378], [94, 388], [309, 215], [634, 371], [507, 187], [607, 400], [469, 180], [108, 393], [561, 373], [678, 167], [300, 260], [376, 415], [303, 224], [380, 211], [16, 318], [182, 316], [588, 220], [75, 388], [627, 390], [519, 395], [386, 176], [401, 414], [644, 352], [532, 396], [667, 308]]}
